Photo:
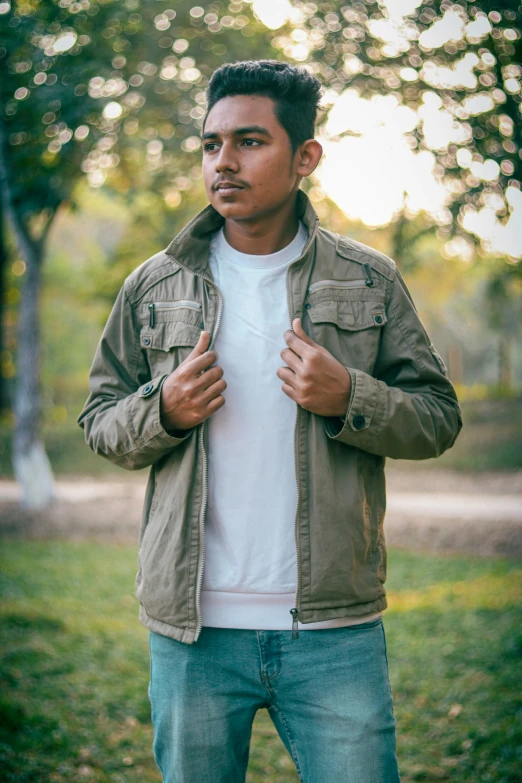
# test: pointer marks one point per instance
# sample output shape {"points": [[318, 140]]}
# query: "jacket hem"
{"points": [[312, 613], [309, 614], [165, 629]]}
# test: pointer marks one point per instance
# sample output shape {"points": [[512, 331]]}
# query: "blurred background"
{"points": [[101, 106]]}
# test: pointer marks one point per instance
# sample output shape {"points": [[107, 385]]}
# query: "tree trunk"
{"points": [[31, 464], [4, 401]]}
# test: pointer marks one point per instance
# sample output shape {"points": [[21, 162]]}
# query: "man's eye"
{"points": [[206, 147], [254, 140]]}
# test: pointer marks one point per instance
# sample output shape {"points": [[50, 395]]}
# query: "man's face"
{"points": [[243, 143]]}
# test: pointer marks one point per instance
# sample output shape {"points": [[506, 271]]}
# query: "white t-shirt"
{"points": [[250, 568]]}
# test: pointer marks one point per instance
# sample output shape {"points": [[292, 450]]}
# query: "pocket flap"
{"points": [[169, 334], [349, 315]]}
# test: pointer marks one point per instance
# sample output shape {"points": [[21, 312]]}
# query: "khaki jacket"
{"points": [[353, 301]]}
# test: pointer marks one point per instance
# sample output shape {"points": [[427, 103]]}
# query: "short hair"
{"points": [[295, 92]]}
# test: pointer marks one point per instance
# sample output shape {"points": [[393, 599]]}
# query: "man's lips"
{"points": [[227, 188]]}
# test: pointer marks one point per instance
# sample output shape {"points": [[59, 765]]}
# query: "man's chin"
{"points": [[233, 211]]}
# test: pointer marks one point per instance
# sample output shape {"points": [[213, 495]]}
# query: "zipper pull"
{"points": [[295, 615], [151, 311], [369, 279]]}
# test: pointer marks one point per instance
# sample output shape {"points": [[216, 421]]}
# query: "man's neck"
{"points": [[265, 235]]}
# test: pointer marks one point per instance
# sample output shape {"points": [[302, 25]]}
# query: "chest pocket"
{"points": [[351, 315], [349, 329], [172, 330]]}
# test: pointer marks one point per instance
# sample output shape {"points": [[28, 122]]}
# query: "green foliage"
{"points": [[110, 86], [374, 49], [151, 63], [75, 669]]}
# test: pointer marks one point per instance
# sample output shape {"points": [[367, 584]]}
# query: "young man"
{"points": [[263, 367]]}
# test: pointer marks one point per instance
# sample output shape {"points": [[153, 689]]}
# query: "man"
{"points": [[263, 367]]}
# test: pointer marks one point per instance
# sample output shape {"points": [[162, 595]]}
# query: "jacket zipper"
{"points": [[295, 610], [338, 284], [171, 306], [188, 303], [205, 471]]}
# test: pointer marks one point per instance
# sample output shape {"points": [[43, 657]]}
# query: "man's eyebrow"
{"points": [[239, 132]]}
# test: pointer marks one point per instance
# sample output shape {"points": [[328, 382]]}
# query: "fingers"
{"points": [[300, 332], [289, 391], [201, 345], [200, 362], [292, 359], [299, 341], [213, 392], [214, 405], [206, 379], [287, 375]]}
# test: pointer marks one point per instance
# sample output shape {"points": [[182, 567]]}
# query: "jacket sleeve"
{"points": [[408, 408], [121, 416]]}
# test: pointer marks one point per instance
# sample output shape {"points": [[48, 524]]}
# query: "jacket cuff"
{"points": [[364, 413], [146, 418]]}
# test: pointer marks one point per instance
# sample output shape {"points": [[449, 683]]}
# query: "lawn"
{"points": [[75, 669]]}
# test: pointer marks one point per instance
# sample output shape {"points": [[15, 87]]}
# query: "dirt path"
{"points": [[427, 510]]}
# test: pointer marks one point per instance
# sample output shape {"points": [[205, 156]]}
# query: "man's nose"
{"points": [[226, 159]]}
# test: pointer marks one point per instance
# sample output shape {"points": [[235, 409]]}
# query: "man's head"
{"points": [[258, 133]]}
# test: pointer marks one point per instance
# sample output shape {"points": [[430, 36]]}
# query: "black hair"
{"points": [[295, 92]]}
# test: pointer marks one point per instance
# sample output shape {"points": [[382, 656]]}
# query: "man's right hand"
{"points": [[192, 392]]}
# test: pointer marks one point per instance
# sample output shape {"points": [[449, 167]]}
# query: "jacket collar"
{"points": [[191, 246]]}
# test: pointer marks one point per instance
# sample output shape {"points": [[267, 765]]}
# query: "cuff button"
{"points": [[146, 341], [359, 422], [147, 389]]}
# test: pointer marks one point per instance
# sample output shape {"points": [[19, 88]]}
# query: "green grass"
{"points": [[491, 439], [75, 669]]}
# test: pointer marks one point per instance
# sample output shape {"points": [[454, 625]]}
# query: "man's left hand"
{"points": [[314, 378]]}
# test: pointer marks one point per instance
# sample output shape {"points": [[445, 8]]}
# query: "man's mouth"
{"points": [[227, 188]]}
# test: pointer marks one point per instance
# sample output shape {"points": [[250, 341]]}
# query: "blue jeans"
{"points": [[328, 694]]}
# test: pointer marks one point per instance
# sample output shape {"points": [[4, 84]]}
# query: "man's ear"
{"points": [[308, 156]]}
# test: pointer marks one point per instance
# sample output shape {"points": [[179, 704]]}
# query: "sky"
{"points": [[372, 171]]}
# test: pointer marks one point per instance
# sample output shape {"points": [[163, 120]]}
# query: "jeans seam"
{"points": [[150, 671], [293, 748], [384, 639]]}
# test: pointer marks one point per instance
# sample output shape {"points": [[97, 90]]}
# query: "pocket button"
{"points": [[146, 341], [359, 422]]}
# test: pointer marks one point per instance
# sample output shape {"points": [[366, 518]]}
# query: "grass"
{"points": [[491, 439], [75, 669]]}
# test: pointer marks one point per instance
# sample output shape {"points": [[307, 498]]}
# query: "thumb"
{"points": [[200, 347], [300, 332]]}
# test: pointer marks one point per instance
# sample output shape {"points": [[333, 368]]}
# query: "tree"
{"points": [[455, 64], [96, 89]]}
